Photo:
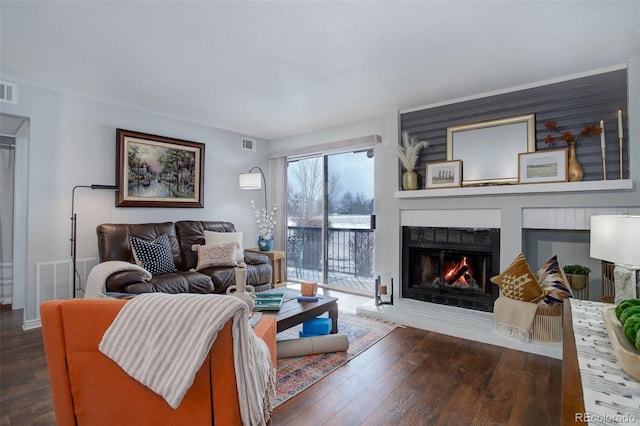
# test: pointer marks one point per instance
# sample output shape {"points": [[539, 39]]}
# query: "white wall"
{"points": [[73, 142]]}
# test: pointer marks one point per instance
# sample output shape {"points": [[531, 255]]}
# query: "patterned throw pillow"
{"points": [[154, 256], [216, 255], [518, 282], [213, 238], [554, 286]]}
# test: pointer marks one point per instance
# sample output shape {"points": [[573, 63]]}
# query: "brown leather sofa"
{"points": [[90, 389], [113, 244]]}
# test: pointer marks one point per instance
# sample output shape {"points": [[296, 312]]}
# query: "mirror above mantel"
{"points": [[489, 150]]}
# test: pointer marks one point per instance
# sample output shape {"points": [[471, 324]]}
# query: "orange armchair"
{"points": [[90, 389]]}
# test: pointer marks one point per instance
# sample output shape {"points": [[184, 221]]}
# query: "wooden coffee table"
{"points": [[293, 312]]}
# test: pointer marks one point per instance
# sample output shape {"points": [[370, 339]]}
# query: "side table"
{"points": [[277, 265]]}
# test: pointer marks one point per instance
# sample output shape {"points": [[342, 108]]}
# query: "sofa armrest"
{"points": [[119, 281], [253, 258]]}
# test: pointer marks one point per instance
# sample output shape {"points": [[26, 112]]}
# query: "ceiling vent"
{"points": [[248, 144], [8, 92]]}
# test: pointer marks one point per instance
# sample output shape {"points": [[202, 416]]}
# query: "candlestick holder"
{"points": [[383, 294], [620, 143]]}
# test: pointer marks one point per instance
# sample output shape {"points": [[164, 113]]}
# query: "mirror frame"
{"points": [[502, 151]]}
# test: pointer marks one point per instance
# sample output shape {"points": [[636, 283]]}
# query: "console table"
{"points": [[595, 390]]}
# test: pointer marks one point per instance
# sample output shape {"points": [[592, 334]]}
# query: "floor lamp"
{"points": [[254, 181], [616, 239], [74, 223]]}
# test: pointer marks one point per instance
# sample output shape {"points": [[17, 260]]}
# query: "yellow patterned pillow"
{"points": [[518, 282]]}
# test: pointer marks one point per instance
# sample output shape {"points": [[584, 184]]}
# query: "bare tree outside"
{"points": [[304, 198]]}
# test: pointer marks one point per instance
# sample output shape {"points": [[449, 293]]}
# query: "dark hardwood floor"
{"points": [[411, 377]]}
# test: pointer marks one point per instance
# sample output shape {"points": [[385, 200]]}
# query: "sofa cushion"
{"points": [[191, 232], [217, 238], [216, 255], [154, 256]]}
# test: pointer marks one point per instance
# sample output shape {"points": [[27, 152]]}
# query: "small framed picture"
{"points": [[543, 166], [446, 174]]}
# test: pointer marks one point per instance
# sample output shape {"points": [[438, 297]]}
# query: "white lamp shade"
{"points": [[616, 239], [250, 181]]}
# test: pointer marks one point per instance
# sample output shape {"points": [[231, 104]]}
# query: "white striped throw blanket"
{"points": [[98, 276], [161, 340]]}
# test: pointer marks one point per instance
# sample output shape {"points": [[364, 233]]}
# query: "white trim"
{"points": [[528, 189], [332, 147], [518, 88], [31, 324]]}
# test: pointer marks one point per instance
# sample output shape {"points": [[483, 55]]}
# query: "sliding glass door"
{"points": [[330, 207]]}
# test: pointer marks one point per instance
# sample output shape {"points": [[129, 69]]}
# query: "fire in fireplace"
{"points": [[451, 266]]}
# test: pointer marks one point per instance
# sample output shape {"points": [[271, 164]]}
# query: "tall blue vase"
{"points": [[265, 244]]}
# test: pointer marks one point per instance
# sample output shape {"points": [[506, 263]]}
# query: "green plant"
{"points": [[576, 269]]}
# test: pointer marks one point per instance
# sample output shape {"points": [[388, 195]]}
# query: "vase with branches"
{"points": [[408, 153], [575, 169]]}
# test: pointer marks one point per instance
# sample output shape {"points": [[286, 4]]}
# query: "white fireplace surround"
{"points": [[467, 323]]}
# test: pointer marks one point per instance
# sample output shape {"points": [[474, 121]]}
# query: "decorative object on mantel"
{"points": [[616, 239], [575, 169], [620, 139], [266, 222], [488, 148], [545, 166], [408, 153], [445, 174]]}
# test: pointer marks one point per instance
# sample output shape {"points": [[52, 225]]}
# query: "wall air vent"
{"points": [[248, 144], [8, 92]]}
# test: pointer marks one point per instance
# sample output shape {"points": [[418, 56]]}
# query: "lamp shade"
{"points": [[616, 239], [250, 181]]}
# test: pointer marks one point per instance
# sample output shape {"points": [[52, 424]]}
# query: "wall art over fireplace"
{"points": [[157, 171]]}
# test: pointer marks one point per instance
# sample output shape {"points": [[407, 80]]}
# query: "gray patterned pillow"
{"points": [[154, 256]]}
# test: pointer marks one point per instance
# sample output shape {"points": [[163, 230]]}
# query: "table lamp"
{"points": [[616, 239]]}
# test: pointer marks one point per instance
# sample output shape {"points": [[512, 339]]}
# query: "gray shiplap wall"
{"points": [[572, 103]]}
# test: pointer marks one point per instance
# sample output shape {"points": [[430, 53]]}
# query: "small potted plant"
{"points": [[577, 275]]}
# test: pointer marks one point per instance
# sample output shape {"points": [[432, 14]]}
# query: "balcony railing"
{"points": [[350, 251]]}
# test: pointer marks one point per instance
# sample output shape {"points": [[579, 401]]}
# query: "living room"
{"points": [[71, 141]]}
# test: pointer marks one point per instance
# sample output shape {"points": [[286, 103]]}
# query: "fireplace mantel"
{"points": [[537, 188]]}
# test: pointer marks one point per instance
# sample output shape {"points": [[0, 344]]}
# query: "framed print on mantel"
{"points": [[543, 166], [157, 171], [446, 174]]}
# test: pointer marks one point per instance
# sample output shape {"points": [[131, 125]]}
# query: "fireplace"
{"points": [[451, 266]]}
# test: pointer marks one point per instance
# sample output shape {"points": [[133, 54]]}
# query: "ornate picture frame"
{"points": [[158, 171], [446, 174]]}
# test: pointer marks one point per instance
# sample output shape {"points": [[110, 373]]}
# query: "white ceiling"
{"points": [[273, 69]]}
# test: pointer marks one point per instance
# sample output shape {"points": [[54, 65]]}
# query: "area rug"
{"points": [[298, 373]]}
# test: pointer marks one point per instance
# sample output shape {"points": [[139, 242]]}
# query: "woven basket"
{"points": [[547, 324]]}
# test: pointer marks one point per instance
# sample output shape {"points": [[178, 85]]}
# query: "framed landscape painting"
{"points": [[156, 171], [543, 166]]}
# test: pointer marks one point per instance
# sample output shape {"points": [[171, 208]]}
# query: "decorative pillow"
{"points": [[518, 282], [154, 256], [212, 238], [216, 255], [552, 282]]}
